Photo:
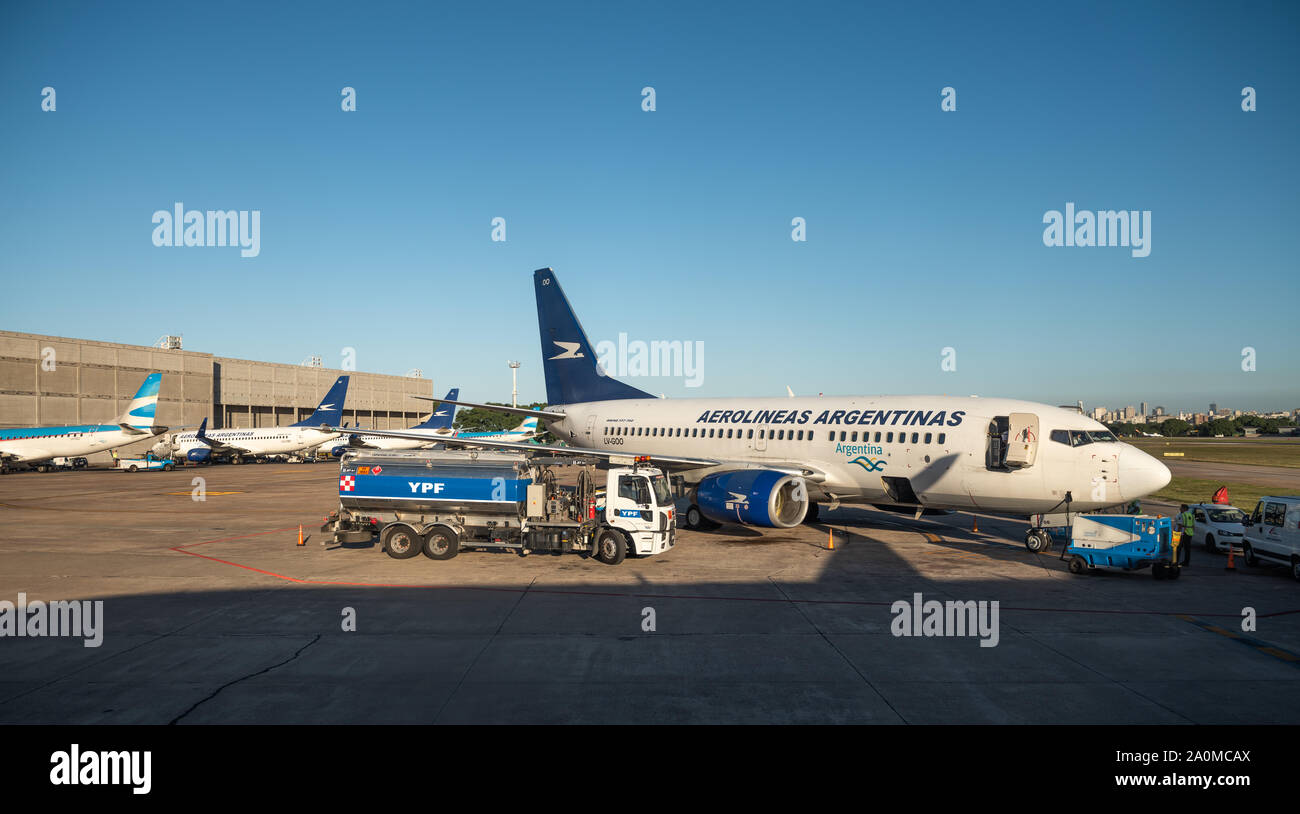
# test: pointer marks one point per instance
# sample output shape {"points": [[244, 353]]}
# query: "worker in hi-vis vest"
{"points": [[1188, 522]]}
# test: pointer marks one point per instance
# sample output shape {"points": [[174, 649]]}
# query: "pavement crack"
{"points": [[232, 682]]}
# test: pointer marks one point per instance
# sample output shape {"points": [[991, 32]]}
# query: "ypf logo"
{"points": [[347, 483]]}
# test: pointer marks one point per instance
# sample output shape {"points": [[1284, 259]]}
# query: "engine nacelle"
{"points": [[199, 455], [337, 451], [753, 497]]}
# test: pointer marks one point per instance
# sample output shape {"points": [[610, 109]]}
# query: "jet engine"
{"points": [[753, 497]]}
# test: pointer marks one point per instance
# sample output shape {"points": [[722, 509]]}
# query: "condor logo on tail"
{"points": [[570, 350]]}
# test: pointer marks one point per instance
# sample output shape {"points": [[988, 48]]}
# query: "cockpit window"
{"points": [[1078, 438], [1061, 437], [1101, 435]]}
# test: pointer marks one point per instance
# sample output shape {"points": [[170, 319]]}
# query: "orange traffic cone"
{"points": [[975, 524], [1232, 565], [831, 545], [300, 540]]}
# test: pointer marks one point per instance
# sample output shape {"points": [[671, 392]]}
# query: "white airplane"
{"points": [[434, 431], [239, 445], [433, 428], [37, 445], [771, 461]]}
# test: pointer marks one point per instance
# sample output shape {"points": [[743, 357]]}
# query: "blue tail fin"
{"points": [[572, 375], [442, 413], [140, 413], [330, 410]]}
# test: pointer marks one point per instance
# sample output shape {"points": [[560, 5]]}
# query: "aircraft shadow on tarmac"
{"points": [[764, 629]]}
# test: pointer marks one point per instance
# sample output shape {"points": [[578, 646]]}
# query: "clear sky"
{"points": [[924, 228]]}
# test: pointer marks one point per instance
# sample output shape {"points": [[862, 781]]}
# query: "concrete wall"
{"points": [[50, 380]]}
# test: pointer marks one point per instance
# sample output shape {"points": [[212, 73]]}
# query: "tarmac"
{"points": [[213, 614]]}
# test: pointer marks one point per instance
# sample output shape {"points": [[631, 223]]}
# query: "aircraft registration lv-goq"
{"points": [[771, 461], [239, 445], [36, 445], [432, 429]]}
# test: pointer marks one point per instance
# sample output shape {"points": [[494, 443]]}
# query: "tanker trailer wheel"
{"points": [[1078, 565], [441, 544], [401, 541], [611, 548]]}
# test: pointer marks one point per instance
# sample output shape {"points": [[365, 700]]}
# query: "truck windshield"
{"points": [[663, 496]]}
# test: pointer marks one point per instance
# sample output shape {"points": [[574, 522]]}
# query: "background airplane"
{"points": [[436, 426], [239, 445], [37, 445]]}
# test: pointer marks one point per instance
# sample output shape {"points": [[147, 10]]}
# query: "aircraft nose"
{"points": [[1140, 474]]}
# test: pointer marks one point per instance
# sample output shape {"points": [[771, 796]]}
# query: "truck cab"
{"points": [[639, 502]]}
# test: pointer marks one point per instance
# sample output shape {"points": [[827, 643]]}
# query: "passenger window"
{"points": [[780, 435], [1199, 515], [854, 436], [1274, 514], [751, 434], [800, 435], [1061, 437], [942, 437], [810, 435], [915, 436], [728, 433], [877, 438], [927, 438], [843, 435], [889, 437]]}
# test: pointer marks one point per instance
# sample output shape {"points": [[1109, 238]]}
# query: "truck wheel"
{"points": [[441, 544], [1249, 554], [168, 467], [611, 548], [1078, 565], [132, 468], [401, 541], [235, 460]]}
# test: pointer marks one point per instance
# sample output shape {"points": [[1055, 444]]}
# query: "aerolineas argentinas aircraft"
{"points": [[770, 461], [36, 445], [240, 445], [433, 429]]}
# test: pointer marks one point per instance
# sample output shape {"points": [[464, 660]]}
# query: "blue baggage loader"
{"points": [[1124, 541]]}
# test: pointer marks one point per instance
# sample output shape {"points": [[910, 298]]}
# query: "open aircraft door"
{"points": [[1022, 439]]}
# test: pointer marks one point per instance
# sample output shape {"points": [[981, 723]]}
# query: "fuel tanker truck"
{"points": [[438, 502]]}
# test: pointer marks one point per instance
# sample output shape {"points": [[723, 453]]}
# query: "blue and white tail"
{"points": [[442, 413], [330, 410], [526, 427], [140, 414], [572, 375]]}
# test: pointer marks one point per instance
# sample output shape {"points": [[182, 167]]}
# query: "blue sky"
{"points": [[924, 227]]}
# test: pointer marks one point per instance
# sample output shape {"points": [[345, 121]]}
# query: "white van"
{"points": [[1273, 533]]}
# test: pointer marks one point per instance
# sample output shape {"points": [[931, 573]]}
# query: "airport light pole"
{"points": [[514, 383]]}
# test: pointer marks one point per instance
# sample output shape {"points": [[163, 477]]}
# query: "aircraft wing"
{"points": [[669, 461], [215, 445], [524, 411]]}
